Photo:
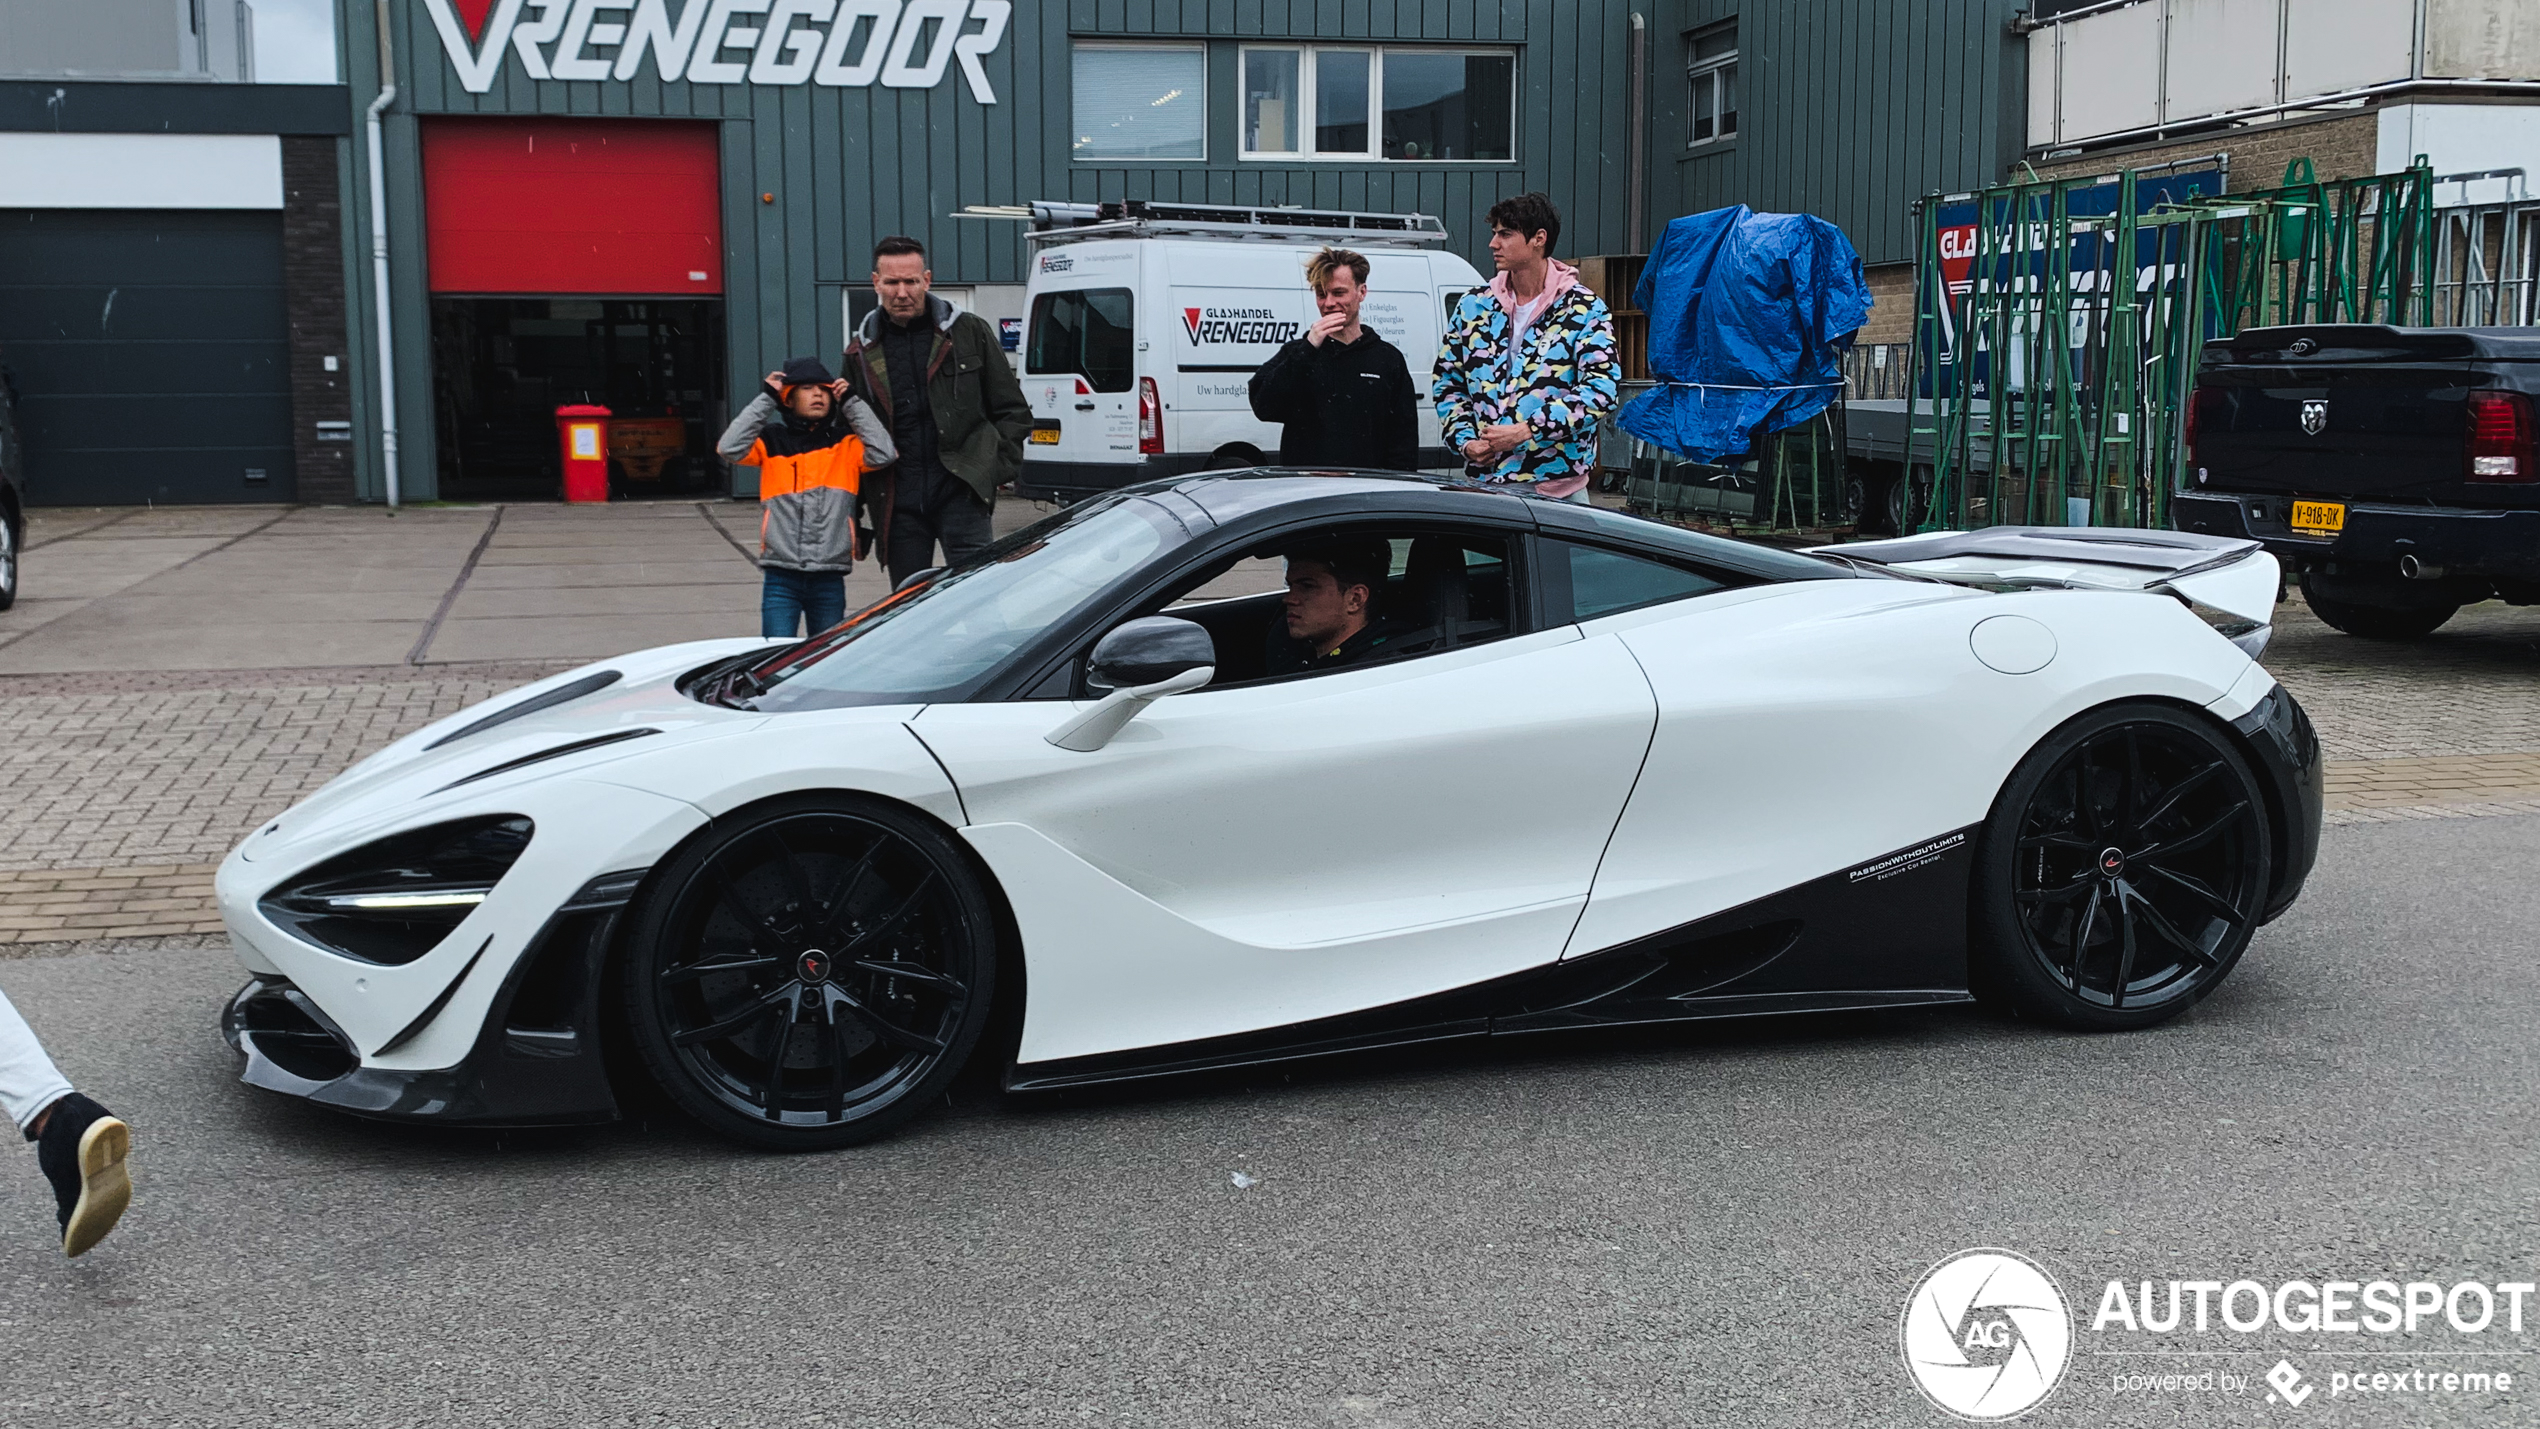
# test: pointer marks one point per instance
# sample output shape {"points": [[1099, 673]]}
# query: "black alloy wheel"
{"points": [[2123, 870], [813, 977]]}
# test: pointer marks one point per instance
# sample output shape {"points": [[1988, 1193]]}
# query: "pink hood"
{"points": [[1557, 276]]}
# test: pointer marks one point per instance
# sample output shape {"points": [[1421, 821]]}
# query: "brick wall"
{"points": [[2345, 147], [1891, 306], [313, 299]]}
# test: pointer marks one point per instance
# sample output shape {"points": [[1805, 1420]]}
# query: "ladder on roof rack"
{"points": [[1055, 221]]}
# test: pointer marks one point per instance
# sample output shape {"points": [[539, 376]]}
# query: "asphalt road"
{"points": [[1691, 1227]]}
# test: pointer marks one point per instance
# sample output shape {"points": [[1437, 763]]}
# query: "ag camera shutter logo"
{"points": [[1986, 1335]]}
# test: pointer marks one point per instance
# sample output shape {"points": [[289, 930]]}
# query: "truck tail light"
{"points": [[2500, 437], [1150, 419], [2198, 403]]}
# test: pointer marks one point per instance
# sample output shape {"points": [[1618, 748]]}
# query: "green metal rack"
{"points": [[2050, 389]]}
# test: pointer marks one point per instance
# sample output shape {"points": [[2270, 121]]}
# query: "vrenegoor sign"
{"points": [[905, 44]]}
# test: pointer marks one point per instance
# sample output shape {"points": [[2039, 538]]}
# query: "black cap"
{"points": [[805, 371]]}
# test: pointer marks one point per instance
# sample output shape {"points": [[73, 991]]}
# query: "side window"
{"points": [[1085, 332], [1363, 597], [1451, 299], [1606, 582]]}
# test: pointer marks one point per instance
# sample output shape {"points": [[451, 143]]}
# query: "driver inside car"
{"points": [[1329, 612]]}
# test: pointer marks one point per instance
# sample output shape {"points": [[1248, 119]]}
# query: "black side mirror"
{"points": [[917, 578], [1141, 662], [1150, 650]]}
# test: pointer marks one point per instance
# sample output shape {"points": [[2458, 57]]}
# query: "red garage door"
{"points": [[572, 206]]}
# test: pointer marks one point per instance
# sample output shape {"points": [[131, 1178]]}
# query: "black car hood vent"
{"points": [[542, 756], [562, 694]]}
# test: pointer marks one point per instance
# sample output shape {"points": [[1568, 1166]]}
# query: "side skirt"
{"points": [[1889, 933]]}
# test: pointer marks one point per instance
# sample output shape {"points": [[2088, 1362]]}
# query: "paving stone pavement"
{"points": [[119, 792], [2473, 688]]}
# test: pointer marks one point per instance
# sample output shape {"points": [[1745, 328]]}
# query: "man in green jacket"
{"points": [[940, 380]]}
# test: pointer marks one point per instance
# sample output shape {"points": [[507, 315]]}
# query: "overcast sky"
{"points": [[295, 41]]}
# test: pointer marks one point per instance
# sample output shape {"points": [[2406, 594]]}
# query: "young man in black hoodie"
{"points": [[1342, 393]]}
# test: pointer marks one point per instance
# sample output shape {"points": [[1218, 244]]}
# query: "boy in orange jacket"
{"points": [[812, 444]]}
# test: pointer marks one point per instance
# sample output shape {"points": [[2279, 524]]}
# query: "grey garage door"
{"points": [[150, 354]]}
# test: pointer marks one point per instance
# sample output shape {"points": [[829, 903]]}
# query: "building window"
{"points": [[1140, 102], [1399, 104], [1711, 71], [1343, 100], [1271, 87]]}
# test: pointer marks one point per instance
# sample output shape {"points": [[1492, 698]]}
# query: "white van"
{"points": [[1146, 321]]}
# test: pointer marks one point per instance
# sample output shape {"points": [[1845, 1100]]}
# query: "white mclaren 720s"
{"points": [[1080, 806]]}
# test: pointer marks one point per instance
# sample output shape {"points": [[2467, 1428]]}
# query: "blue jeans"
{"points": [[790, 597]]}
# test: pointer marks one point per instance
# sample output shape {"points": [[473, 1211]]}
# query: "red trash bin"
{"points": [[583, 432]]}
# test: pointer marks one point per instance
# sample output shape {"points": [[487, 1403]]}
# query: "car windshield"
{"points": [[938, 640]]}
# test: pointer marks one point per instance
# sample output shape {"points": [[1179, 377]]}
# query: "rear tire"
{"points": [[2122, 871], [814, 976], [2378, 622]]}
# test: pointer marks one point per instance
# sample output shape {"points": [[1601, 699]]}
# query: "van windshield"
{"points": [[1084, 332]]}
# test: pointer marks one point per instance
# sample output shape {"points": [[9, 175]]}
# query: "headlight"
{"points": [[395, 900]]}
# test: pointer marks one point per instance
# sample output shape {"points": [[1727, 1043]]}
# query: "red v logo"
{"points": [[474, 34], [1190, 324]]}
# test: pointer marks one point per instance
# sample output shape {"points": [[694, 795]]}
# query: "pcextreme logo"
{"points": [[1986, 1334], [906, 44]]}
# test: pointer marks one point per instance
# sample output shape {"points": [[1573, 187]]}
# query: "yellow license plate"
{"points": [[1045, 436], [2318, 518]]}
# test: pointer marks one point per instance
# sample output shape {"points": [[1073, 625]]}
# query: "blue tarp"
{"points": [[1749, 317]]}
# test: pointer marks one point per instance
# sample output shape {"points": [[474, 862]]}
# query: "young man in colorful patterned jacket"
{"points": [[1529, 366], [812, 444]]}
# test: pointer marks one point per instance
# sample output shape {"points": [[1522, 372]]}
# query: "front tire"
{"points": [[814, 976], [2122, 871]]}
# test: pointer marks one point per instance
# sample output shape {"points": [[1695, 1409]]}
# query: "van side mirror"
{"points": [[1143, 661]]}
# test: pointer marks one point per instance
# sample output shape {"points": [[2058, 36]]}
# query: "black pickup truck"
{"points": [[2390, 469]]}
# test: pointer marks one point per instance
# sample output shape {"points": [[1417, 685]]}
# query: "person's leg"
{"points": [[965, 527], [82, 1152], [911, 544], [29, 1082], [780, 603], [80, 1147], [824, 600]]}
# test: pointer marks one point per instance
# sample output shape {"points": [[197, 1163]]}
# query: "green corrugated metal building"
{"points": [[821, 142]]}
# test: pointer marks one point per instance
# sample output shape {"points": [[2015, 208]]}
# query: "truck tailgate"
{"points": [[2372, 414]]}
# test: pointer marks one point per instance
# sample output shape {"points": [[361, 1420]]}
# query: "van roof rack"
{"points": [[1061, 222]]}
